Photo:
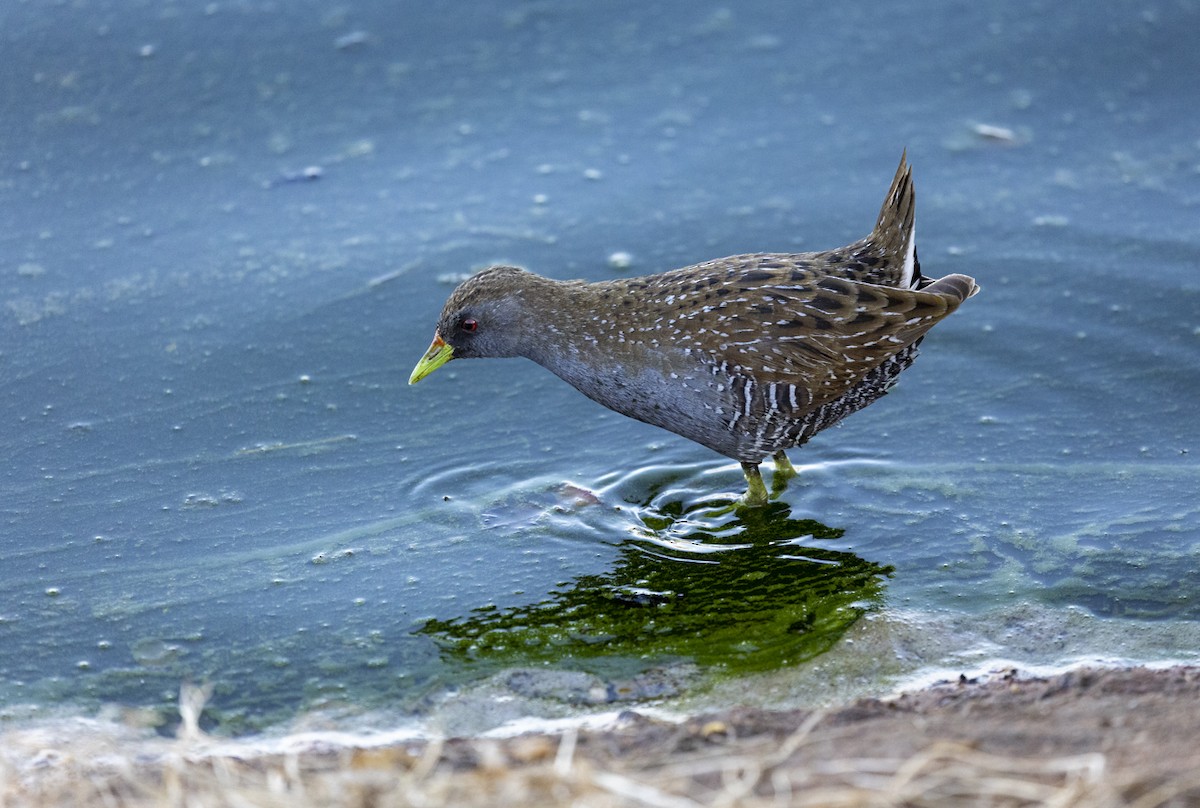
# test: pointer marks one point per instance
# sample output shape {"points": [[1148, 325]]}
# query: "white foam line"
{"points": [[301, 742], [328, 740], [998, 667], [557, 726]]}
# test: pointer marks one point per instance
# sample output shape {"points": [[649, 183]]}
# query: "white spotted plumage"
{"points": [[748, 355]]}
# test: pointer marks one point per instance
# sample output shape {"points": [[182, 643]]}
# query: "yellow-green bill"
{"points": [[439, 353]]}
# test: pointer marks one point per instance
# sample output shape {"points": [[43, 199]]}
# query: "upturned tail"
{"points": [[895, 231], [887, 257]]}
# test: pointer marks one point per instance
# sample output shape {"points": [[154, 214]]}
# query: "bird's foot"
{"points": [[756, 491], [783, 466], [784, 471]]}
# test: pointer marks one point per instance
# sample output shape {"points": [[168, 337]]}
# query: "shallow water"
{"points": [[217, 472]]}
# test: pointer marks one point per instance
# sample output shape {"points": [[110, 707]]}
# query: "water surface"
{"points": [[228, 228]]}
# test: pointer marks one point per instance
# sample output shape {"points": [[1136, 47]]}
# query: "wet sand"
{"points": [[1083, 738]]}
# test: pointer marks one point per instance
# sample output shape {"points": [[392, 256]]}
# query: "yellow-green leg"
{"points": [[784, 471], [756, 492]]}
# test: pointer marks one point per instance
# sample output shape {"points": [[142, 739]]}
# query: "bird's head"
{"points": [[484, 317]]}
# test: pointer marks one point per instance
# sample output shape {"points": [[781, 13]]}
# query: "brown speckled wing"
{"points": [[795, 326]]}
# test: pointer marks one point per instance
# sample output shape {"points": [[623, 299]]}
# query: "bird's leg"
{"points": [[756, 492], [784, 471]]}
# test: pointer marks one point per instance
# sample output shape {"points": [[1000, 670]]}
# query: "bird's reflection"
{"points": [[699, 581]]}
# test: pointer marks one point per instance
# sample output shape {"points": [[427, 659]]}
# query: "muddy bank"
{"points": [[1084, 738]]}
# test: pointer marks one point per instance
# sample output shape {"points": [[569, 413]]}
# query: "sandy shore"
{"points": [[1084, 738]]}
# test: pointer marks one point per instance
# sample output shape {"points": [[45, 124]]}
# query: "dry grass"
{"points": [[786, 760], [544, 770]]}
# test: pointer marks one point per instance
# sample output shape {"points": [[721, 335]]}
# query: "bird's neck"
{"points": [[581, 330]]}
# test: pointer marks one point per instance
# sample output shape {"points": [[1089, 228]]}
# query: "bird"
{"points": [[748, 355]]}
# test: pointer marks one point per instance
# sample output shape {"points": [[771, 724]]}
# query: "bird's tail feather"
{"points": [[895, 229]]}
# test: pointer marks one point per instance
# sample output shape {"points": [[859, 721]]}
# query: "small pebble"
{"points": [[353, 39], [999, 133], [620, 260], [1051, 221]]}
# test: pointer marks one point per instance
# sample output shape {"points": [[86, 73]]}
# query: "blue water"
{"points": [[226, 230]]}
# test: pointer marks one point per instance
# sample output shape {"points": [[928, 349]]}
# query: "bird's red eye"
{"points": [[469, 325]]}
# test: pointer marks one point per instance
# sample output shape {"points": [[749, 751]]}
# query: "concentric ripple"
{"points": [[695, 579]]}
